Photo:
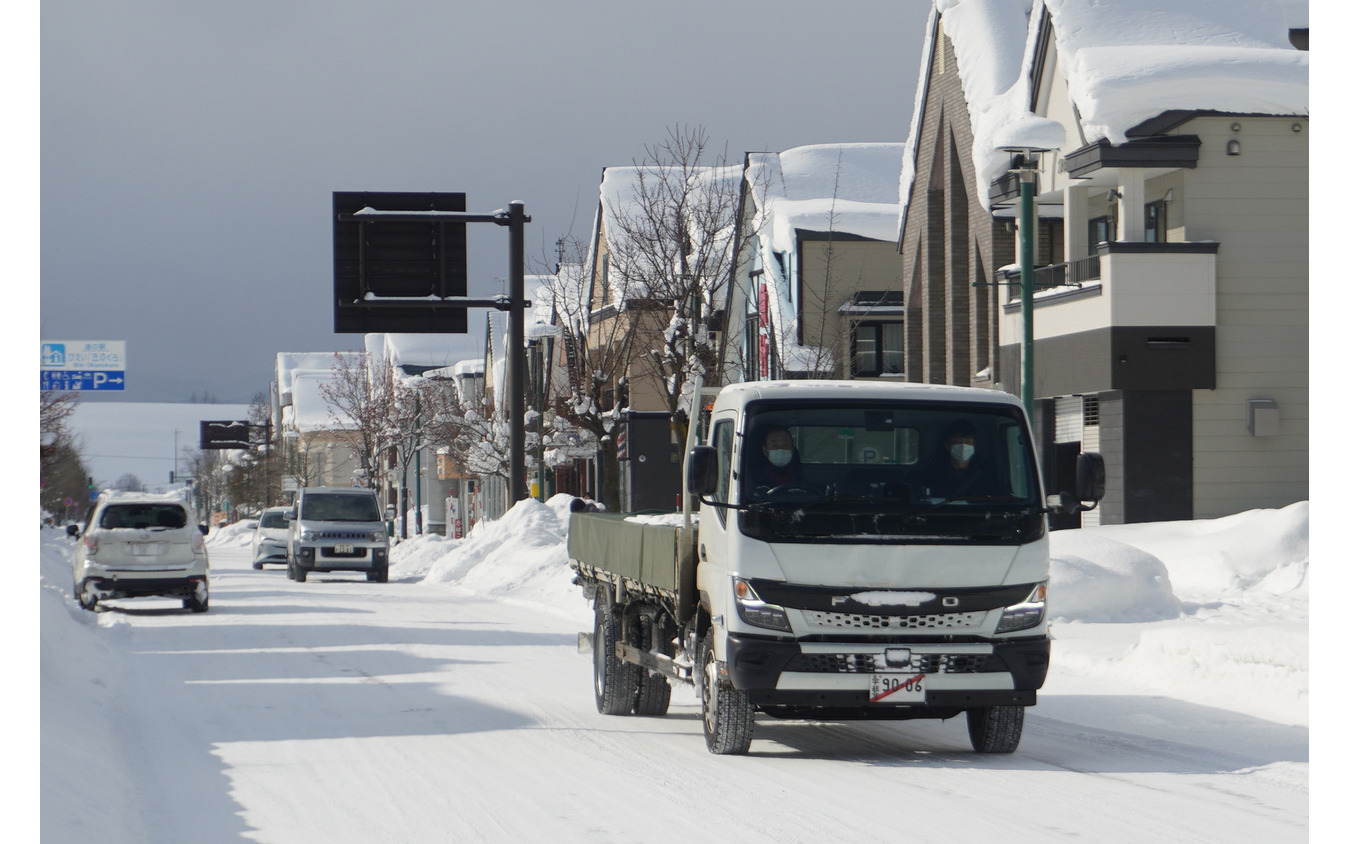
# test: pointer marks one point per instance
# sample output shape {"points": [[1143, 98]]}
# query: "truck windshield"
{"points": [[338, 507], [889, 471]]}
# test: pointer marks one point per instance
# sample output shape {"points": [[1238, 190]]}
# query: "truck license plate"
{"points": [[897, 688], [147, 549], [342, 549]]}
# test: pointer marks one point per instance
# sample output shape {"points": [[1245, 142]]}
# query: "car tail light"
{"points": [[90, 544], [198, 541]]}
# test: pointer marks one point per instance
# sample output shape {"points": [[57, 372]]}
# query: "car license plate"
{"points": [[897, 688], [343, 549], [146, 549]]}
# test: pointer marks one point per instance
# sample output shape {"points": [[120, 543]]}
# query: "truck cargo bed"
{"points": [[609, 542]]}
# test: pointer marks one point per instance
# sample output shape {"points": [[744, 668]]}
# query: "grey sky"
{"points": [[190, 150]]}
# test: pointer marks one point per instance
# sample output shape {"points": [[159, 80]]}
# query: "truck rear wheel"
{"points": [[995, 729], [615, 680], [728, 717], [653, 690]]}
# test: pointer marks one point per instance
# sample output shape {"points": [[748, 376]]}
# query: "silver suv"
{"points": [[337, 529], [138, 544]]}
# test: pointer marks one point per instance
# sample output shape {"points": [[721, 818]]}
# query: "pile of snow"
{"points": [[521, 556], [236, 535]]}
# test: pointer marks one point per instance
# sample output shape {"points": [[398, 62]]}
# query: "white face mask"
{"points": [[962, 452], [780, 457]]}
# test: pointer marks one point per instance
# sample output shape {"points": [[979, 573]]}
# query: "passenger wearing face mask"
{"points": [[781, 464], [959, 471]]}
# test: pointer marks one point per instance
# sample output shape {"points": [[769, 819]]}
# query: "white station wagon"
{"points": [[138, 544]]}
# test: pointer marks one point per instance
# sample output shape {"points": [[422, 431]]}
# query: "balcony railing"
{"points": [[1071, 274]]}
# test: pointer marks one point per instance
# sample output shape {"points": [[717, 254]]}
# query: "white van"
{"points": [[337, 529]]}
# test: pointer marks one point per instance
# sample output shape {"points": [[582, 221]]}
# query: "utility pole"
{"points": [[1026, 230]]}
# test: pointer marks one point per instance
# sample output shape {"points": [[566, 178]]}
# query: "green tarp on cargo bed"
{"points": [[643, 552]]}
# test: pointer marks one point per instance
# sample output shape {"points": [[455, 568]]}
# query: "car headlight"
{"points": [[755, 612], [307, 536], [377, 536], [1025, 615]]}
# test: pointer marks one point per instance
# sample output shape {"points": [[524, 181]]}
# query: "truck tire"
{"points": [[615, 680], [300, 573], [995, 729], [653, 690], [728, 717], [379, 575]]}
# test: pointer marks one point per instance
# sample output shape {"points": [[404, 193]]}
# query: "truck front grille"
{"points": [[871, 663], [858, 621]]}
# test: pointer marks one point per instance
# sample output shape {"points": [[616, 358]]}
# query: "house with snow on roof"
{"points": [[817, 283], [314, 437], [1168, 143], [657, 275]]}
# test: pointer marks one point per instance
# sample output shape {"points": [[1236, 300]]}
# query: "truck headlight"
{"points": [[755, 612], [1025, 615], [377, 536], [307, 536]]}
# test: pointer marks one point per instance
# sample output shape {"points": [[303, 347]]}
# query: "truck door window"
{"points": [[723, 437]]}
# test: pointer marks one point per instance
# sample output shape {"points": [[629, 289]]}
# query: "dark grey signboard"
{"points": [[394, 262]]}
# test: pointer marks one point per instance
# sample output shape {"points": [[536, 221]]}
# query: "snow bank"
{"points": [[81, 669], [1146, 571], [237, 535], [521, 556]]}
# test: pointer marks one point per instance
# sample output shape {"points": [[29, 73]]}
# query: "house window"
{"points": [[1155, 222], [878, 348], [1100, 229]]}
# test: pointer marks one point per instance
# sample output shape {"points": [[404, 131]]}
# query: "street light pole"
{"points": [[1026, 230]]}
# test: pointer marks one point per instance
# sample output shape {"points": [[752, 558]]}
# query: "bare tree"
{"points": [[670, 256], [54, 415], [477, 438], [360, 402]]}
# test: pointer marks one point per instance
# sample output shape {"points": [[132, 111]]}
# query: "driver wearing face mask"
{"points": [[781, 465], [958, 472]]}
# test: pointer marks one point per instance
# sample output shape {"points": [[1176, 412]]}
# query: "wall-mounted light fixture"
{"points": [[1234, 148], [1114, 194]]}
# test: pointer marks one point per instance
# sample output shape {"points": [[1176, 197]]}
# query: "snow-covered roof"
{"points": [[1124, 61], [289, 363], [843, 188], [1128, 60], [311, 411], [420, 350]]}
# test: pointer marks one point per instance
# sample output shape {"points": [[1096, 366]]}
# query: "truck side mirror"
{"points": [[1090, 479], [290, 514], [72, 530], [702, 479]]}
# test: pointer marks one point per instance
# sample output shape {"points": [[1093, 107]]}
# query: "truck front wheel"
{"points": [[615, 680], [728, 717], [995, 729]]}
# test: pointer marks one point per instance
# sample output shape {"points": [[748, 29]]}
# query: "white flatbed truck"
{"points": [[866, 587]]}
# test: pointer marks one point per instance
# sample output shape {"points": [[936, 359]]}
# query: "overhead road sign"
{"points": [[83, 379], [84, 364], [229, 434]]}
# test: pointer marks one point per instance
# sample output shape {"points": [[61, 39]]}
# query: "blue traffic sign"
{"points": [[86, 379]]}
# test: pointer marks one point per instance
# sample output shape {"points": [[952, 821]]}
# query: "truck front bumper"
{"points": [[831, 680]]}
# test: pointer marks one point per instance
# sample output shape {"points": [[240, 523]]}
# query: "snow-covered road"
{"points": [[344, 711]]}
